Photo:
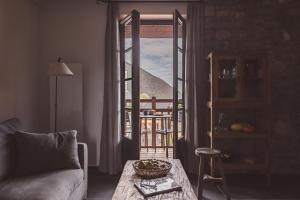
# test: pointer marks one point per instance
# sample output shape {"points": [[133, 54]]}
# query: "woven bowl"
{"points": [[163, 169]]}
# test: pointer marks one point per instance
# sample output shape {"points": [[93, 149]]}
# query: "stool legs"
{"points": [[214, 155], [200, 178], [221, 169]]}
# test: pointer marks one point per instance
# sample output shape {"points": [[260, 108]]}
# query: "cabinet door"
{"points": [[253, 76], [226, 78]]}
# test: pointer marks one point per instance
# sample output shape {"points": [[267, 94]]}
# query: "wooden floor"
{"points": [[246, 187], [160, 153]]}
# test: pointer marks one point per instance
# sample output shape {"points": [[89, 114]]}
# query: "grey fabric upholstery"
{"points": [[83, 159], [7, 150], [79, 193], [68, 184], [56, 185], [44, 152]]}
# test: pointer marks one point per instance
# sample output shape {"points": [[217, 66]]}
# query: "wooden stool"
{"points": [[208, 153]]}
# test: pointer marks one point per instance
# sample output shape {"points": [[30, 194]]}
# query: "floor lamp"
{"points": [[58, 69]]}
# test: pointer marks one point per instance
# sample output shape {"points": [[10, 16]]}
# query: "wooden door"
{"points": [[179, 50], [130, 85]]}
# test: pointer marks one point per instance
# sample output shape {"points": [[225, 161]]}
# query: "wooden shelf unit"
{"points": [[239, 93], [237, 103], [236, 135], [241, 167]]}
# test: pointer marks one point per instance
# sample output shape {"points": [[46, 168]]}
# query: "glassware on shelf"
{"points": [[253, 70], [233, 73], [221, 126], [221, 118], [228, 73]]}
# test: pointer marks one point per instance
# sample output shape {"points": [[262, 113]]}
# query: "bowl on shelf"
{"points": [[151, 168]]}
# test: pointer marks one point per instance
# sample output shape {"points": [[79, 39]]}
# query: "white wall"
{"points": [[18, 61], [69, 99], [32, 35], [75, 30]]}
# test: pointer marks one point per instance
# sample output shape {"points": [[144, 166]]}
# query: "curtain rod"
{"points": [[148, 1]]}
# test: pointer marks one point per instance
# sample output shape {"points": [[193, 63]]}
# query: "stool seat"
{"points": [[204, 151]]}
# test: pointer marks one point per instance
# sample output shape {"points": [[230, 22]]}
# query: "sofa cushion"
{"points": [[7, 148], [56, 185], [45, 152]]}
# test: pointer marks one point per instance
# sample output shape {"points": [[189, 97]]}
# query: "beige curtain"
{"points": [[196, 85], [110, 144]]}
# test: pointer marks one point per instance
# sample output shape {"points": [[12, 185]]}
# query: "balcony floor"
{"points": [[151, 154]]}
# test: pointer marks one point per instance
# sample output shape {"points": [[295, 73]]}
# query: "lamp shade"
{"points": [[59, 69]]}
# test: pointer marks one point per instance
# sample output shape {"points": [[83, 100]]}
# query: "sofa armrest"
{"points": [[83, 158]]}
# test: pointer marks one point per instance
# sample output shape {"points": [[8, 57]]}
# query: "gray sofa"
{"points": [[69, 184]]}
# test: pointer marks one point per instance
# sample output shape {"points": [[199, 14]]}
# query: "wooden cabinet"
{"points": [[239, 110]]}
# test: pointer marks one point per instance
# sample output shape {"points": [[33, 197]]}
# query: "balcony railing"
{"points": [[149, 127]]}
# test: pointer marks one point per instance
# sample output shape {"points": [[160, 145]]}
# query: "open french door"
{"points": [[179, 49], [130, 85]]}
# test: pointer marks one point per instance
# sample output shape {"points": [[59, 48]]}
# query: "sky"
{"points": [[157, 57]]}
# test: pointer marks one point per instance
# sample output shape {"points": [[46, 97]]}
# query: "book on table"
{"points": [[156, 186]]}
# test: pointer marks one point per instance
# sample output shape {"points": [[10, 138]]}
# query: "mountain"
{"points": [[153, 86]]}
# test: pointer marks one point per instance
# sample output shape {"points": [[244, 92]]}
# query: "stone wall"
{"points": [[272, 26]]}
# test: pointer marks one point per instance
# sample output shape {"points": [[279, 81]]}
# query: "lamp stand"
{"points": [[58, 69], [55, 106]]}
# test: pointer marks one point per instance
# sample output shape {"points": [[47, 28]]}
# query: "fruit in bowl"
{"points": [[245, 127], [248, 128], [236, 127], [152, 168]]}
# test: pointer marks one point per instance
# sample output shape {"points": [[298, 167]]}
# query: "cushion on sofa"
{"points": [[56, 185], [7, 148], [44, 152]]}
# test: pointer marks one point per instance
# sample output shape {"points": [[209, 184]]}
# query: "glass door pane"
{"points": [[180, 111], [128, 109], [227, 78], [180, 63], [253, 73]]}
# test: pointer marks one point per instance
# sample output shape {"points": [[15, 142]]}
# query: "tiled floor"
{"points": [[247, 187]]}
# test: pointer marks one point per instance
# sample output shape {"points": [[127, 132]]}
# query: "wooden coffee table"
{"points": [[126, 190]]}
